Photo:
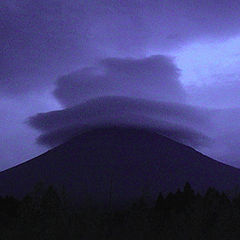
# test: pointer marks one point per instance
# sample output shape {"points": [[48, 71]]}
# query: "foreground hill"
{"points": [[120, 162]]}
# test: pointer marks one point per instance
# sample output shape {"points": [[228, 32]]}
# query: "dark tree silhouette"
{"points": [[44, 214]]}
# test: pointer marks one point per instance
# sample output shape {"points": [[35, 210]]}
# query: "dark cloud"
{"points": [[173, 120], [117, 106], [155, 77], [44, 39], [37, 42]]}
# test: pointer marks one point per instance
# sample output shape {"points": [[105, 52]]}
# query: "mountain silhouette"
{"points": [[121, 162]]}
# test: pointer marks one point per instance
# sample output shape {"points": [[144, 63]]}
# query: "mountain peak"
{"points": [[133, 160]]}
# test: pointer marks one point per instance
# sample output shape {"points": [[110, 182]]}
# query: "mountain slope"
{"points": [[129, 161]]}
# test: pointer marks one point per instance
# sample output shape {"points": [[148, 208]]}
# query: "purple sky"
{"points": [[172, 64]]}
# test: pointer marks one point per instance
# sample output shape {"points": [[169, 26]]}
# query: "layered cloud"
{"points": [[142, 92], [173, 120], [213, 132], [155, 77]]}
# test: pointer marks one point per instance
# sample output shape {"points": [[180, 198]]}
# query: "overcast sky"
{"points": [[169, 64]]}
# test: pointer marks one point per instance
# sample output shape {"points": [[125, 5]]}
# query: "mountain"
{"points": [[125, 162]]}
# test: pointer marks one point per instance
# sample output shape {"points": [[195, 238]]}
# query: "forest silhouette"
{"points": [[47, 213]]}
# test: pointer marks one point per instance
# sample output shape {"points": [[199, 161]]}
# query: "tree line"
{"points": [[46, 213]]}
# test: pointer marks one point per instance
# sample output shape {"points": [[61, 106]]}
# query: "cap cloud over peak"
{"points": [[143, 92], [177, 121]]}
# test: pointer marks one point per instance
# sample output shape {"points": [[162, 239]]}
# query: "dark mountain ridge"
{"points": [[125, 162]]}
